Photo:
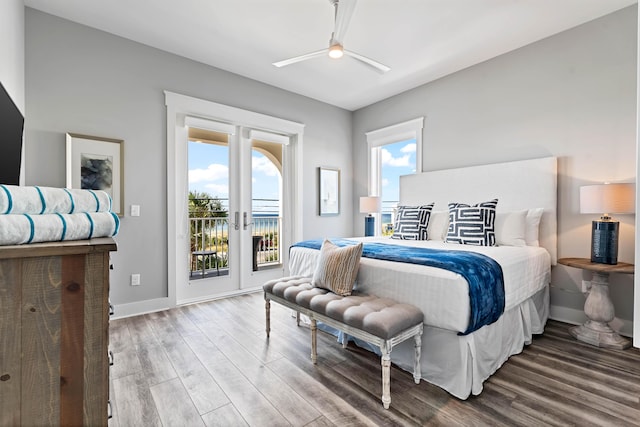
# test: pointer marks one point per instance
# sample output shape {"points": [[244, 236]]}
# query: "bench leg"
{"points": [[314, 343], [297, 318], [417, 372], [267, 309], [386, 379]]}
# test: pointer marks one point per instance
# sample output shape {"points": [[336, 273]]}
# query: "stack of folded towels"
{"points": [[44, 214]]}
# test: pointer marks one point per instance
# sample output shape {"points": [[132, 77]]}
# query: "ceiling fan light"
{"points": [[335, 51]]}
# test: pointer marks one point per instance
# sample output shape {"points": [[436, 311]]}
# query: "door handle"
{"points": [[245, 224], [236, 224]]}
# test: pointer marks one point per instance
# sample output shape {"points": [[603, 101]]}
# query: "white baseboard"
{"points": [[220, 296], [140, 307], [153, 305], [577, 317]]}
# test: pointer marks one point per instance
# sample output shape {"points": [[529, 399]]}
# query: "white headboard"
{"points": [[517, 185]]}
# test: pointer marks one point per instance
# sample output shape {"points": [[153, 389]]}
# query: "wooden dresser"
{"points": [[54, 333]]}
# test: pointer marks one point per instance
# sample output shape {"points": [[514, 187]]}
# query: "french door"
{"points": [[245, 244]]}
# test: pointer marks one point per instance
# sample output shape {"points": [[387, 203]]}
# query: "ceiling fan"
{"points": [[336, 50]]}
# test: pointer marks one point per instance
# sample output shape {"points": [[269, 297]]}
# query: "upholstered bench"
{"points": [[379, 321]]}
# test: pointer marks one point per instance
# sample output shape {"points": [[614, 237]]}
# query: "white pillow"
{"points": [[511, 228], [532, 226], [438, 225]]}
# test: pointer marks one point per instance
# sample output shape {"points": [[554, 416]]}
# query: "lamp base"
{"points": [[604, 242], [369, 226], [599, 334]]}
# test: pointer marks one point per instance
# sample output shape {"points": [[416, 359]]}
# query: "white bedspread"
{"points": [[444, 300], [458, 363]]}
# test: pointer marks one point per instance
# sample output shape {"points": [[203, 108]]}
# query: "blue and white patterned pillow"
{"points": [[411, 222], [472, 225]]}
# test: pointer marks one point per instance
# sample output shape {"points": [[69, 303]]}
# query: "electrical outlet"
{"points": [[135, 280], [586, 286], [135, 210]]}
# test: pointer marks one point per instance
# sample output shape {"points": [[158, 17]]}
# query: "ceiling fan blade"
{"points": [[300, 58], [344, 12], [381, 68]]}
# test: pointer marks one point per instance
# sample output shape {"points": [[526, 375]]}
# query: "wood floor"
{"points": [[210, 364]]}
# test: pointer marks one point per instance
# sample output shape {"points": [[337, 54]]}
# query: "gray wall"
{"points": [[572, 95], [82, 80]]}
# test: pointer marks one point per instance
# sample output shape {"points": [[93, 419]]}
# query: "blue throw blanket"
{"points": [[484, 274]]}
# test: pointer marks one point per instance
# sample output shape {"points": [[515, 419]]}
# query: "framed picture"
{"points": [[95, 163], [329, 191]]}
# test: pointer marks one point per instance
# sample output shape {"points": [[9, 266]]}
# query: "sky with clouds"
{"points": [[209, 170], [397, 159]]}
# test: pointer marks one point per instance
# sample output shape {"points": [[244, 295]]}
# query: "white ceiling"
{"points": [[421, 40]]}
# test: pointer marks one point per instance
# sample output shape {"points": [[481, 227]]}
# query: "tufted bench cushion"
{"points": [[382, 317], [380, 321]]}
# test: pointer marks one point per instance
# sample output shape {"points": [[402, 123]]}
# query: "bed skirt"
{"points": [[460, 364]]}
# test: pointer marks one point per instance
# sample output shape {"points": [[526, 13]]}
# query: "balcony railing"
{"points": [[269, 247], [387, 216], [212, 234]]}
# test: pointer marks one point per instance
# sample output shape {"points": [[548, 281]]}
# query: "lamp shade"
{"points": [[607, 199], [370, 204]]}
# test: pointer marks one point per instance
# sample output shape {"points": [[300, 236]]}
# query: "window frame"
{"points": [[376, 139]]}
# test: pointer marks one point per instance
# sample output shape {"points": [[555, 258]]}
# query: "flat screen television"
{"points": [[11, 127]]}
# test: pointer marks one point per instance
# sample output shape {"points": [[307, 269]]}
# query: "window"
{"points": [[396, 158], [393, 151]]}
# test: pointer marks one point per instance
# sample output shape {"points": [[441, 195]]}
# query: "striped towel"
{"points": [[26, 228], [46, 200]]}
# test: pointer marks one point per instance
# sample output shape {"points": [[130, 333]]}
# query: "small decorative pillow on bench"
{"points": [[337, 267]]}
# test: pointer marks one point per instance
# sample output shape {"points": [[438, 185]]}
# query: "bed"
{"points": [[453, 357]]}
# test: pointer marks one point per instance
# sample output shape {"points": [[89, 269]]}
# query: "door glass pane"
{"points": [[266, 202], [398, 158], [208, 161]]}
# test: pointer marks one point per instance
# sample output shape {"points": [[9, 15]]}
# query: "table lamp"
{"points": [[606, 199], [369, 205]]}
